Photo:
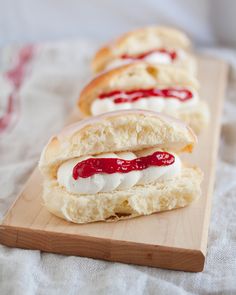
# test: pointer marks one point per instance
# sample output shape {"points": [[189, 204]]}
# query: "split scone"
{"points": [[156, 45], [144, 86], [119, 165]]}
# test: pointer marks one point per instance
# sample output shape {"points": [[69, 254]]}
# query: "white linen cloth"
{"points": [[53, 80]]}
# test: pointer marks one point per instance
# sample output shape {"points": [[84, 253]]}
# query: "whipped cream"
{"points": [[116, 181], [158, 104]]}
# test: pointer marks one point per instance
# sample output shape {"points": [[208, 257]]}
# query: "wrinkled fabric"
{"points": [[51, 86]]}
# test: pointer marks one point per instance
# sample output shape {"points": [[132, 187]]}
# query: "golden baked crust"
{"points": [[197, 117], [112, 132], [140, 200], [134, 76], [138, 41]]}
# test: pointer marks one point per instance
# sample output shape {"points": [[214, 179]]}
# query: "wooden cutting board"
{"points": [[174, 240]]}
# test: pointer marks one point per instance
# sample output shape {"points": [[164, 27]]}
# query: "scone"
{"points": [[156, 45], [143, 86], [119, 165]]}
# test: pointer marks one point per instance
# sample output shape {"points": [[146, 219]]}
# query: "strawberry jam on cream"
{"points": [[91, 166], [133, 95], [117, 171], [171, 53]]}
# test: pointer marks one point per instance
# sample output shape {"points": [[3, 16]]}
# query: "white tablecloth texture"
{"points": [[53, 79]]}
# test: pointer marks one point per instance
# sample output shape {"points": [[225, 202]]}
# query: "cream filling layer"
{"points": [[158, 104], [153, 58], [117, 181]]}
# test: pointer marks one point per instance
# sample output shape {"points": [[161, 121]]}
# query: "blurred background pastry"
{"points": [[156, 45], [141, 85]]}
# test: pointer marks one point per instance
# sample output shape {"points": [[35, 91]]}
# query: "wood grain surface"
{"points": [[173, 240]]}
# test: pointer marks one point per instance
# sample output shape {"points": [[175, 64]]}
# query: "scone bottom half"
{"points": [[119, 165]]}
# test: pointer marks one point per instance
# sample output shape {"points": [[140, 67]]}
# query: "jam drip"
{"points": [[93, 166], [134, 95], [172, 54]]}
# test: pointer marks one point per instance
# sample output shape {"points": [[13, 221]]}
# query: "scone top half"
{"points": [[120, 131], [140, 85], [156, 44], [119, 165]]}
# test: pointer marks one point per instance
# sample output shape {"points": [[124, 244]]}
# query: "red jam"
{"points": [[93, 166], [172, 54], [134, 95]]}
